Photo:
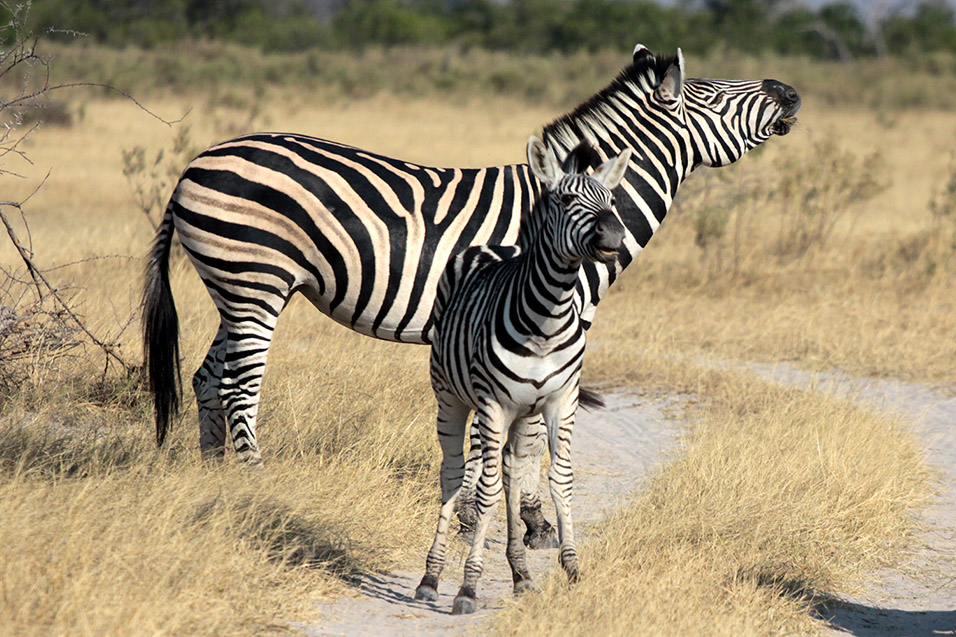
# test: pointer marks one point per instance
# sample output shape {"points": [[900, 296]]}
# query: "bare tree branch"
{"points": [[18, 59], [40, 282]]}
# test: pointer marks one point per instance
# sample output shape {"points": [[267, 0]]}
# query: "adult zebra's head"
{"points": [[726, 118], [577, 208], [671, 120]]}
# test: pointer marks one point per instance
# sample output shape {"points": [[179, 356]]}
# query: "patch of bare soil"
{"points": [[616, 447], [612, 449]]}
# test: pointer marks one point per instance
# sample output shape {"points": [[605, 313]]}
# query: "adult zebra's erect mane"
{"points": [[638, 78]]}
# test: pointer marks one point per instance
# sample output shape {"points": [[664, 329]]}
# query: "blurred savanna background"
{"points": [[833, 248]]}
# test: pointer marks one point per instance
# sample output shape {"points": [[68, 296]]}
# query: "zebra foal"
{"points": [[507, 343]]}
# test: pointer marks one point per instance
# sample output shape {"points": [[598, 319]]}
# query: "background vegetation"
{"points": [[834, 247], [836, 30]]}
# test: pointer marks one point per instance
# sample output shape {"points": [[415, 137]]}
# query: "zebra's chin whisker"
{"points": [[604, 255], [783, 125]]}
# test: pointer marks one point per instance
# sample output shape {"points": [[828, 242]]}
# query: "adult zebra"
{"points": [[365, 237], [507, 342]]}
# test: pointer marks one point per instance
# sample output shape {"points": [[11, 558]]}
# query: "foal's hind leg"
{"points": [[466, 506], [212, 417], [539, 534], [519, 459]]}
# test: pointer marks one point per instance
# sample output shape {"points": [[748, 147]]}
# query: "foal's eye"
{"points": [[613, 202], [567, 199]]}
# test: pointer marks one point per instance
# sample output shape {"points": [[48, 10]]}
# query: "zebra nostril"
{"points": [[785, 94], [608, 230]]}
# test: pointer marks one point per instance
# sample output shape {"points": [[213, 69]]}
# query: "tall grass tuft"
{"points": [[777, 499]]}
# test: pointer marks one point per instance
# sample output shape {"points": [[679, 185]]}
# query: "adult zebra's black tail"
{"points": [[161, 330]]}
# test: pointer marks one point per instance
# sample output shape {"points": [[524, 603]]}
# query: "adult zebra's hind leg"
{"points": [[212, 417], [246, 349]]}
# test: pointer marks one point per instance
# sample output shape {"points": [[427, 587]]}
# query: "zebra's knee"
{"points": [[203, 386]]}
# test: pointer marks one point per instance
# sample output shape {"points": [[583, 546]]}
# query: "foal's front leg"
{"points": [[452, 421], [560, 478], [492, 424]]}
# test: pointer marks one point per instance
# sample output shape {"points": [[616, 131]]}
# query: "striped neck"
{"points": [[544, 296], [626, 114]]}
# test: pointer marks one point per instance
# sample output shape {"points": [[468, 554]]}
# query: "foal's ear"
{"points": [[611, 172], [544, 164]]}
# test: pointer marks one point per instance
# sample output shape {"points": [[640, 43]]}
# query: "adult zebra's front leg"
{"points": [[539, 533]]}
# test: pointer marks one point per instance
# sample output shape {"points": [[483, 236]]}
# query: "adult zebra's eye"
{"points": [[567, 199]]}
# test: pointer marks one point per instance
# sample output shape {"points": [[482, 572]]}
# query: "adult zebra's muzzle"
{"points": [[789, 101], [608, 236]]}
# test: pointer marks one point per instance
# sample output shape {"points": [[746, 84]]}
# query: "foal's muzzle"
{"points": [[608, 236]]}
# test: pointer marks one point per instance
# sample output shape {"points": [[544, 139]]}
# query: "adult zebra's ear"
{"points": [[611, 172], [673, 83], [544, 164]]}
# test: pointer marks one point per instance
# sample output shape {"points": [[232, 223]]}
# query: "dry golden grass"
{"points": [[104, 534], [871, 297], [774, 499]]}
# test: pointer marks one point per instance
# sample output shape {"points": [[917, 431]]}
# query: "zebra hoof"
{"points": [[546, 538], [525, 586], [251, 461], [464, 605], [426, 593], [573, 574]]}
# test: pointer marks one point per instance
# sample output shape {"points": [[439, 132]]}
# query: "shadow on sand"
{"points": [[871, 621]]}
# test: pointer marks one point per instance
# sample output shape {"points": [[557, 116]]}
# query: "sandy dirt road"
{"points": [[919, 597], [615, 448], [612, 450]]}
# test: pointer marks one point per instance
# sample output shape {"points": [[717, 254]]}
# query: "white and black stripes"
{"points": [[507, 343], [365, 237]]}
